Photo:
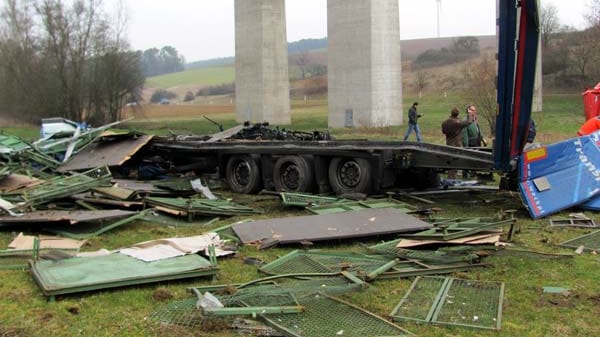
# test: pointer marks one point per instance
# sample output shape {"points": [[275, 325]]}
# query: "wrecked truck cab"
{"points": [[59, 126]]}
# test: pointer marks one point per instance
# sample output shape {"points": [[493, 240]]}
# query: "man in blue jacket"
{"points": [[413, 117]]}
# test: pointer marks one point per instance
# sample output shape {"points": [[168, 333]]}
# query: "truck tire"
{"points": [[350, 175], [243, 174], [293, 174]]}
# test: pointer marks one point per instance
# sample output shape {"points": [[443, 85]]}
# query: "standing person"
{"points": [[472, 136], [453, 129], [413, 117]]}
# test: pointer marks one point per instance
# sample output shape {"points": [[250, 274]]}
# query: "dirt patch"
{"points": [[162, 294], [74, 310], [12, 332], [565, 300]]}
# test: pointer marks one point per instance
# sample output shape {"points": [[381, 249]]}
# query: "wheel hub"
{"points": [[350, 173], [291, 177], [242, 173]]}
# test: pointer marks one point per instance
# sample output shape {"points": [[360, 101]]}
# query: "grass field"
{"points": [[193, 77], [527, 311]]}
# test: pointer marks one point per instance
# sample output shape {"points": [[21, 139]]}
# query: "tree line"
{"points": [[65, 59]]}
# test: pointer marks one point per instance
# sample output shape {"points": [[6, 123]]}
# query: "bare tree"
{"points": [[421, 81], [549, 23], [302, 60], [480, 79]]}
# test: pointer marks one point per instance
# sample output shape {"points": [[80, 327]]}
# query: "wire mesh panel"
{"points": [[303, 200], [328, 316], [453, 301], [322, 262], [185, 312], [590, 242], [471, 303], [389, 248], [419, 302]]}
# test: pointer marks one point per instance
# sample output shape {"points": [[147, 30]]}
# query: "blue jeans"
{"points": [[412, 127]]}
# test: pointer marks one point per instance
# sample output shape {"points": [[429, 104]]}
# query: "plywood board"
{"points": [[105, 153], [46, 242], [356, 224], [16, 181]]}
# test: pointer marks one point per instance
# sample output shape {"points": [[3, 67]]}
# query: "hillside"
{"points": [[443, 78], [318, 47]]}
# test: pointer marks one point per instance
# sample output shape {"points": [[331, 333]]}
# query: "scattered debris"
{"points": [[156, 250], [193, 207]]}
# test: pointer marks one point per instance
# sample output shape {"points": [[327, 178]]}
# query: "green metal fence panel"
{"points": [[304, 200], [470, 303], [433, 256], [201, 206], [450, 231], [114, 270], [326, 262], [61, 187], [590, 242], [348, 205], [451, 301], [270, 291], [420, 300]]}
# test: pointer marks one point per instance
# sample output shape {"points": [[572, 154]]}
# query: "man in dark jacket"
{"points": [[413, 117], [453, 129]]}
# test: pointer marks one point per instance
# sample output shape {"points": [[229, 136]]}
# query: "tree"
{"points": [[549, 23], [421, 81], [480, 80], [164, 61], [162, 94], [70, 60], [302, 60], [189, 96]]}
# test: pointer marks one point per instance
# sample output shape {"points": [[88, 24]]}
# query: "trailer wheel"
{"points": [[350, 175], [243, 174], [293, 174]]}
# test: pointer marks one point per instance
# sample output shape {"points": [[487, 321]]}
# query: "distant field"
{"points": [[193, 77]]}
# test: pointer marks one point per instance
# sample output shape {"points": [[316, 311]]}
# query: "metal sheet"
{"points": [[114, 270], [71, 217], [109, 153], [358, 224]]}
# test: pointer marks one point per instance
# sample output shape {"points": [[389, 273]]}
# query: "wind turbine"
{"points": [[439, 8]]}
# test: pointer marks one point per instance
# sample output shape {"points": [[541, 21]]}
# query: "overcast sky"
{"points": [[203, 29]]}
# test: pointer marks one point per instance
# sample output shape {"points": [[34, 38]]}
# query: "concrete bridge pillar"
{"points": [[364, 65], [261, 62]]}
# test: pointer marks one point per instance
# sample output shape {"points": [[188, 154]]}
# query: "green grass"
{"points": [[193, 77], [527, 312]]}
